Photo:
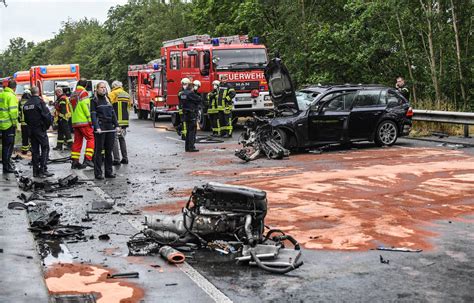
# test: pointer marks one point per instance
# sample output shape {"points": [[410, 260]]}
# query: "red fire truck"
{"points": [[45, 77], [206, 59], [146, 87]]}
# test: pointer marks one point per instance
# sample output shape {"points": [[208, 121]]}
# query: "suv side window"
{"points": [[175, 60], [368, 98], [340, 101]]}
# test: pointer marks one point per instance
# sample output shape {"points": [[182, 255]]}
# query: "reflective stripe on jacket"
{"points": [[121, 102]]}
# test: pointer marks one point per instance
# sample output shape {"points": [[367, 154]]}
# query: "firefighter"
{"points": [[121, 102], [25, 135], [38, 118], [8, 123], [191, 102], [105, 125], [212, 110], [182, 128], [402, 88], [62, 116], [225, 95], [82, 125]]}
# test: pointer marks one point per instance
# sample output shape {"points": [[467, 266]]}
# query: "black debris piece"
{"points": [[123, 275], [171, 284], [384, 261], [399, 249], [101, 205], [104, 237], [17, 205], [41, 218]]}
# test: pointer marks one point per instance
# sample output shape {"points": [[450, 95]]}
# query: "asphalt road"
{"points": [[340, 204]]}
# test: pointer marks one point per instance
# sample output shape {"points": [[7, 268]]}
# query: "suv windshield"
{"points": [[240, 58], [305, 98]]}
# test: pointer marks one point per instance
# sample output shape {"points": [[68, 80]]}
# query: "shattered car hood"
{"points": [[280, 85]]}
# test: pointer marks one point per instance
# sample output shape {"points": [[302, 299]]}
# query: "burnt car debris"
{"points": [[333, 114], [226, 218]]}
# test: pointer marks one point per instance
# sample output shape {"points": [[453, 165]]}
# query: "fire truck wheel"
{"points": [[203, 119], [175, 119], [142, 114]]}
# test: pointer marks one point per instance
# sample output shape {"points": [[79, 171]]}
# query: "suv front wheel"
{"points": [[386, 134]]}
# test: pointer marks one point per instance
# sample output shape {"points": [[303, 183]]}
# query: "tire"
{"points": [[145, 114], [280, 136], [175, 119], [203, 120], [139, 114], [386, 133]]}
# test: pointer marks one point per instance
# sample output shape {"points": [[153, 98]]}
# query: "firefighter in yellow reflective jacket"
{"points": [[182, 127], [121, 102], [25, 133], [62, 114], [225, 96], [212, 109], [8, 123]]}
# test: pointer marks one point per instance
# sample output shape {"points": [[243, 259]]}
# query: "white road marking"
{"points": [[174, 139], [193, 274]]}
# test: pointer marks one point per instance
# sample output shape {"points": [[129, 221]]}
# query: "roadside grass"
{"points": [[422, 128]]}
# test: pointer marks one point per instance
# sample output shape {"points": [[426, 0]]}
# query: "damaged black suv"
{"points": [[321, 115]]}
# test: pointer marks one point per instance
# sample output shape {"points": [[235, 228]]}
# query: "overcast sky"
{"points": [[38, 20]]}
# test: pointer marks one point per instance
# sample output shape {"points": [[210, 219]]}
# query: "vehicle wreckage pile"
{"points": [[259, 136], [226, 218]]}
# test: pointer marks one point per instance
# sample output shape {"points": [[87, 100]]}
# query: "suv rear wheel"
{"points": [[386, 134]]}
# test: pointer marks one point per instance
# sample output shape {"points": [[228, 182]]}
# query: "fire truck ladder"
{"points": [[195, 39]]}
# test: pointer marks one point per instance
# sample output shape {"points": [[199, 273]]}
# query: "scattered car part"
{"points": [[123, 275], [222, 217], [384, 261], [258, 140], [400, 249], [171, 254], [104, 237]]}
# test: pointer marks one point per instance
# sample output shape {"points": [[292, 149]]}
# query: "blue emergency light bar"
{"points": [[43, 69], [255, 40], [73, 68], [156, 66], [15, 75], [215, 41]]}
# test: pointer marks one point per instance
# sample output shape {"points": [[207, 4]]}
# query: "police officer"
{"points": [[8, 122], [38, 118], [402, 88], [225, 96], [105, 125], [182, 128], [212, 109], [62, 116], [191, 102], [25, 134], [121, 102]]}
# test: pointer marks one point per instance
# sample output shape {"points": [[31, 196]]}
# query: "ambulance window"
{"points": [[175, 60]]}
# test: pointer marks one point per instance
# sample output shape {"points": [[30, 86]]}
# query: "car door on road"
{"points": [[328, 122], [369, 106]]}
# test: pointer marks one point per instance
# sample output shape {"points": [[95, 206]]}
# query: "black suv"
{"points": [[320, 115]]}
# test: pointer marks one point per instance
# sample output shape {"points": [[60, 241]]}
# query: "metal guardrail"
{"points": [[445, 117]]}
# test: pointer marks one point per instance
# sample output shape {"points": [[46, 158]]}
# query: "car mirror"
{"points": [[315, 107]]}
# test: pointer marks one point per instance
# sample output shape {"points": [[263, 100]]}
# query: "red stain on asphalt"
{"points": [[359, 199], [85, 279]]}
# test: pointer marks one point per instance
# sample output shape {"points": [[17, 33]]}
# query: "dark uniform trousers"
{"points": [[104, 145], [39, 149], [8, 142], [64, 133], [25, 138], [190, 118]]}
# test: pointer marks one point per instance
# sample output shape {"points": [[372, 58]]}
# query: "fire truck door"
{"points": [[173, 76]]}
